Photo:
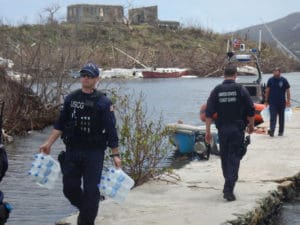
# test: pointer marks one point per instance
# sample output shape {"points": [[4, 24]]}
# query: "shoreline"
{"points": [[269, 174]]}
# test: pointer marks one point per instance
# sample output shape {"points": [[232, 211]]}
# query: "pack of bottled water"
{"points": [[44, 170], [115, 184]]}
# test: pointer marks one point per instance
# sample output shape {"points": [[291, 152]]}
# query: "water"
{"points": [[290, 213], [174, 98]]}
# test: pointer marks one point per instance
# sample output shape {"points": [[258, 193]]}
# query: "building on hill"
{"points": [[149, 15], [85, 13], [163, 24], [143, 15]]}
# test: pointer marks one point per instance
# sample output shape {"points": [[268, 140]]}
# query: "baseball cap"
{"points": [[91, 69]]}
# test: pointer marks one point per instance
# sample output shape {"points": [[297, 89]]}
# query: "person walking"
{"points": [[277, 96], [87, 126], [235, 111], [5, 207]]}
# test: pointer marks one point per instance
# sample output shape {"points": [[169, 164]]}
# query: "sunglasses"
{"points": [[86, 75]]}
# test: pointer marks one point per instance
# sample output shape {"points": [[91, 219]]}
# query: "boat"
{"points": [[258, 118], [165, 73], [188, 138], [248, 63], [149, 72], [239, 55], [247, 70], [156, 74]]}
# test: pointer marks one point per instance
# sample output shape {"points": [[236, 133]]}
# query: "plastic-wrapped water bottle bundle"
{"points": [[288, 112], [115, 184], [44, 170]]}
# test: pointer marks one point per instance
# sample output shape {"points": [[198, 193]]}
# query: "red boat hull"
{"points": [[155, 74]]}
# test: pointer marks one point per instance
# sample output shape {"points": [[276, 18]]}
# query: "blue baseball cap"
{"points": [[91, 69]]}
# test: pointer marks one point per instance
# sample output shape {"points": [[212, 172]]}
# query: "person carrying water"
{"points": [[5, 207], [87, 126], [235, 110], [277, 96]]}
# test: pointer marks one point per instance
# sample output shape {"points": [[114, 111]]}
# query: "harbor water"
{"points": [[175, 99]]}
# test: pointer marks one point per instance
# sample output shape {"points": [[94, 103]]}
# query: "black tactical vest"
{"points": [[84, 128], [229, 106]]}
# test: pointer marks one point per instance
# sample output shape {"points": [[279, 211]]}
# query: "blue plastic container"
{"points": [[184, 142]]}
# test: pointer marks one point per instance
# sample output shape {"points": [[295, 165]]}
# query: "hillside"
{"points": [[54, 49], [286, 30]]}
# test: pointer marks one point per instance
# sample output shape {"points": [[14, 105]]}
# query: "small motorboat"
{"points": [[188, 138]]}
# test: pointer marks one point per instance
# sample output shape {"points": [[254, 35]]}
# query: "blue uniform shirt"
{"points": [[278, 87], [108, 118], [246, 101]]}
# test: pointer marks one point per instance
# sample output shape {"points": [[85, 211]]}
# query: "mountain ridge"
{"points": [[285, 29]]}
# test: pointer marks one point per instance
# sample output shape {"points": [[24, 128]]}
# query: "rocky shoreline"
{"points": [[269, 207]]}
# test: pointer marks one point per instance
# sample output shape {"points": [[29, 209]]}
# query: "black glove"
{"points": [[61, 159], [5, 209], [3, 162], [247, 142]]}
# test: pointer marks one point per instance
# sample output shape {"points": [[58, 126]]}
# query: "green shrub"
{"points": [[143, 141]]}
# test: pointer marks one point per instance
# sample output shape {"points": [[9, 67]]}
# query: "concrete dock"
{"points": [[193, 193]]}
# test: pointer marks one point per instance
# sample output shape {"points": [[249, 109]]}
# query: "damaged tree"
{"points": [[24, 110]]}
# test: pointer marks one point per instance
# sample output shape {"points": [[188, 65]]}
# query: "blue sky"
{"points": [[218, 15]]}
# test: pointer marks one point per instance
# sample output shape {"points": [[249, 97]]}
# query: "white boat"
{"points": [[117, 73], [247, 70], [122, 73]]}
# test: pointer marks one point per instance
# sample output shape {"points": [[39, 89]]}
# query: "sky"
{"points": [[218, 15]]}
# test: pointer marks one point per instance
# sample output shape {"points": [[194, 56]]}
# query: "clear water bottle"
{"points": [[288, 112], [119, 176], [115, 184], [265, 113], [44, 170]]}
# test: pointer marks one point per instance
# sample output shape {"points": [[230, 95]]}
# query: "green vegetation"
{"points": [[72, 45], [143, 142], [48, 52]]}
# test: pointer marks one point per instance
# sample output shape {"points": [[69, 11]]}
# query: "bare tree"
{"points": [[51, 11]]}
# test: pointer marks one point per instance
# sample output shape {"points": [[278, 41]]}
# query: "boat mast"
{"points": [[146, 67]]}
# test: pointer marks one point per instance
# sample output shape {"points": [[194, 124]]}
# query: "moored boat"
{"points": [[188, 138], [247, 70], [165, 73], [156, 74]]}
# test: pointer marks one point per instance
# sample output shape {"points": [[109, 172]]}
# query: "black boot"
{"points": [[229, 196]]}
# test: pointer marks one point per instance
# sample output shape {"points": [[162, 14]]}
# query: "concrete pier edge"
{"points": [[268, 207]]}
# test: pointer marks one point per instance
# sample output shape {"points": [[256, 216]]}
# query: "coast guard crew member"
{"points": [[5, 207], [235, 110], [87, 126], [278, 96]]}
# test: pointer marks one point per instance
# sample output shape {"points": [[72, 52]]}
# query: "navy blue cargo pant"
{"points": [[274, 111], [231, 139], [83, 166]]}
